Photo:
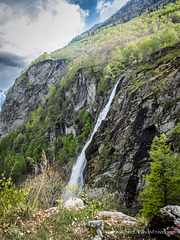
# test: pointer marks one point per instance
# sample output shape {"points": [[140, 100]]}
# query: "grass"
{"points": [[66, 224], [69, 224]]}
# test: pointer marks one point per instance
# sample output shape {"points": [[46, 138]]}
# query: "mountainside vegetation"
{"points": [[38, 154], [110, 51], [129, 11], [107, 45]]}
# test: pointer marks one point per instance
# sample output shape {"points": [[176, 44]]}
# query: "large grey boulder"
{"points": [[119, 215], [74, 203], [165, 224]]}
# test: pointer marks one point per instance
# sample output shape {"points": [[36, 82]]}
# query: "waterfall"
{"points": [[78, 167]]}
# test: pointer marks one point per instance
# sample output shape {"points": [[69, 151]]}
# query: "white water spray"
{"points": [[78, 168]]}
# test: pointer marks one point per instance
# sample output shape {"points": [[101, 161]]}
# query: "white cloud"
{"points": [[28, 29], [106, 9], [54, 27]]}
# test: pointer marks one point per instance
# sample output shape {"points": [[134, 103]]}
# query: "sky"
{"points": [[28, 28]]}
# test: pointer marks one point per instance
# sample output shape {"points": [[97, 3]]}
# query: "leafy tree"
{"points": [[117, 61], [107, 76], [175, 135], [84, 124], [35, 118], [169, 36], [163, 182], [52, 91], [16, 163], [69, 148], [28, 127], [18, 141], [130, 54]]}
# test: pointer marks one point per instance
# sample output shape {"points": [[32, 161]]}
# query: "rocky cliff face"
{"points": [[28, 92], [147, 103]]}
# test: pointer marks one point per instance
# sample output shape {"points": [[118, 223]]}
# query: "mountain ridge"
{"points": [[127, 12]]}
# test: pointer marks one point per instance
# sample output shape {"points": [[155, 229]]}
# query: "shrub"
{"points": [[10, 197]]}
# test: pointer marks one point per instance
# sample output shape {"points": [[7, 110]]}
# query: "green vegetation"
{"points": [[30, 86], [170, 55], [69, 148], [106, 79], [175, 135], [11, 199], [43, 57], [84, 124], [119, 45], [28, 140], [163, 182], [23, 77], [103, 55]]}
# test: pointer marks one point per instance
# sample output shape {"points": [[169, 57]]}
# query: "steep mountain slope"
{"points": [[55, 103], [129, 11]]}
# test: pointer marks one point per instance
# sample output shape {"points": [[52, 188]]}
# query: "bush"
{"points": [[10, 197], [16, 162]]}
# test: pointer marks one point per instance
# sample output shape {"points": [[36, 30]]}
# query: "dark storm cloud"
{"points": [[8, 75], [11, 60], [30, 8]]}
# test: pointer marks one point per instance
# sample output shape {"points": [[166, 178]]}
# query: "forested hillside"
{"points": [[54, 104], [131, 10]]}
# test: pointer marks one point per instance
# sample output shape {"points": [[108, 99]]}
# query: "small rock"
{"points": [[97, 238], [98, 227]]}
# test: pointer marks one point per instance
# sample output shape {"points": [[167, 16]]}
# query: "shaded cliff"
{"points": [[147, 104]]}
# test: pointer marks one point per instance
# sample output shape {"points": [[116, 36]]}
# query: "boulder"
{"points": [[120, 216], [165, 224], [74, 202]]}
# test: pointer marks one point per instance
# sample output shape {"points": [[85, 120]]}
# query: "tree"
{"points": [[169, 36], [163, 182], [108, 76]]}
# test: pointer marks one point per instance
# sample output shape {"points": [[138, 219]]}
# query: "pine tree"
{"points": [[163, 182]]}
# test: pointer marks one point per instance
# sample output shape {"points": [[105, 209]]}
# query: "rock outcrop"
{"points": [[165, 224], [29, 91], [100, 229]]}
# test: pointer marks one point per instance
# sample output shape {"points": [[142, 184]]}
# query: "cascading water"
{"points": [[78, 168]]}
